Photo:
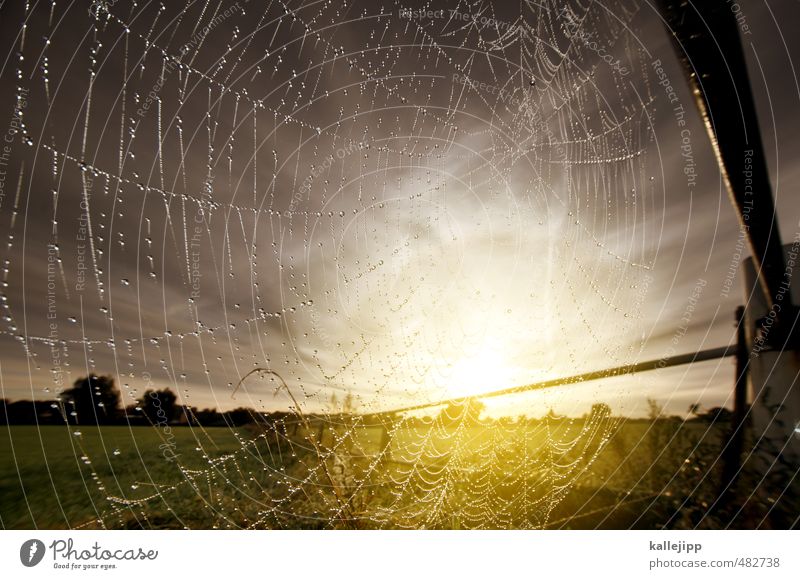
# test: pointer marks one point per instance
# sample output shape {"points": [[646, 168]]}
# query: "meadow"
{"points": [[560, 473]]}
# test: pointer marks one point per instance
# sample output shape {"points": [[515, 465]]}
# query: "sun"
{"points": [[479, 370]]}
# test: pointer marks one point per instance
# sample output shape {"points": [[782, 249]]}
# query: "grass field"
{"points": [[47, 482], [655, 474]]}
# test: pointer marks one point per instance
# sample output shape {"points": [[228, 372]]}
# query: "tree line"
{"points": [[95, 400]]}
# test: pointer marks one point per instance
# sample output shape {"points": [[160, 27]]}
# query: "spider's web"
{"points": [[368, 206]]}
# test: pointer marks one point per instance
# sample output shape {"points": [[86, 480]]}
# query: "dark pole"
{"points": [[740, 404], [667, 362], [706, 37], [732, 453]]}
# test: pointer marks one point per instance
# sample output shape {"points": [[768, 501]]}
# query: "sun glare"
{"points": [[483, 370]]}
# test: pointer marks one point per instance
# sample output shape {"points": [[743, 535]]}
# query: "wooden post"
{"points": [[732, 455], [774, 384], [740, 405], [706, 38]]}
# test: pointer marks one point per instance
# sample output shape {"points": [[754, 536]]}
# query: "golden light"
{"points": [[480, 370]]}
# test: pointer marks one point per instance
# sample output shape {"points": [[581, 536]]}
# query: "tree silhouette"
{"points": [[600, 410], [93, 399], [159, 405]]}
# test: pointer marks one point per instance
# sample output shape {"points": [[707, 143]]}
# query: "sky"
{"points": [[404, 207]]}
